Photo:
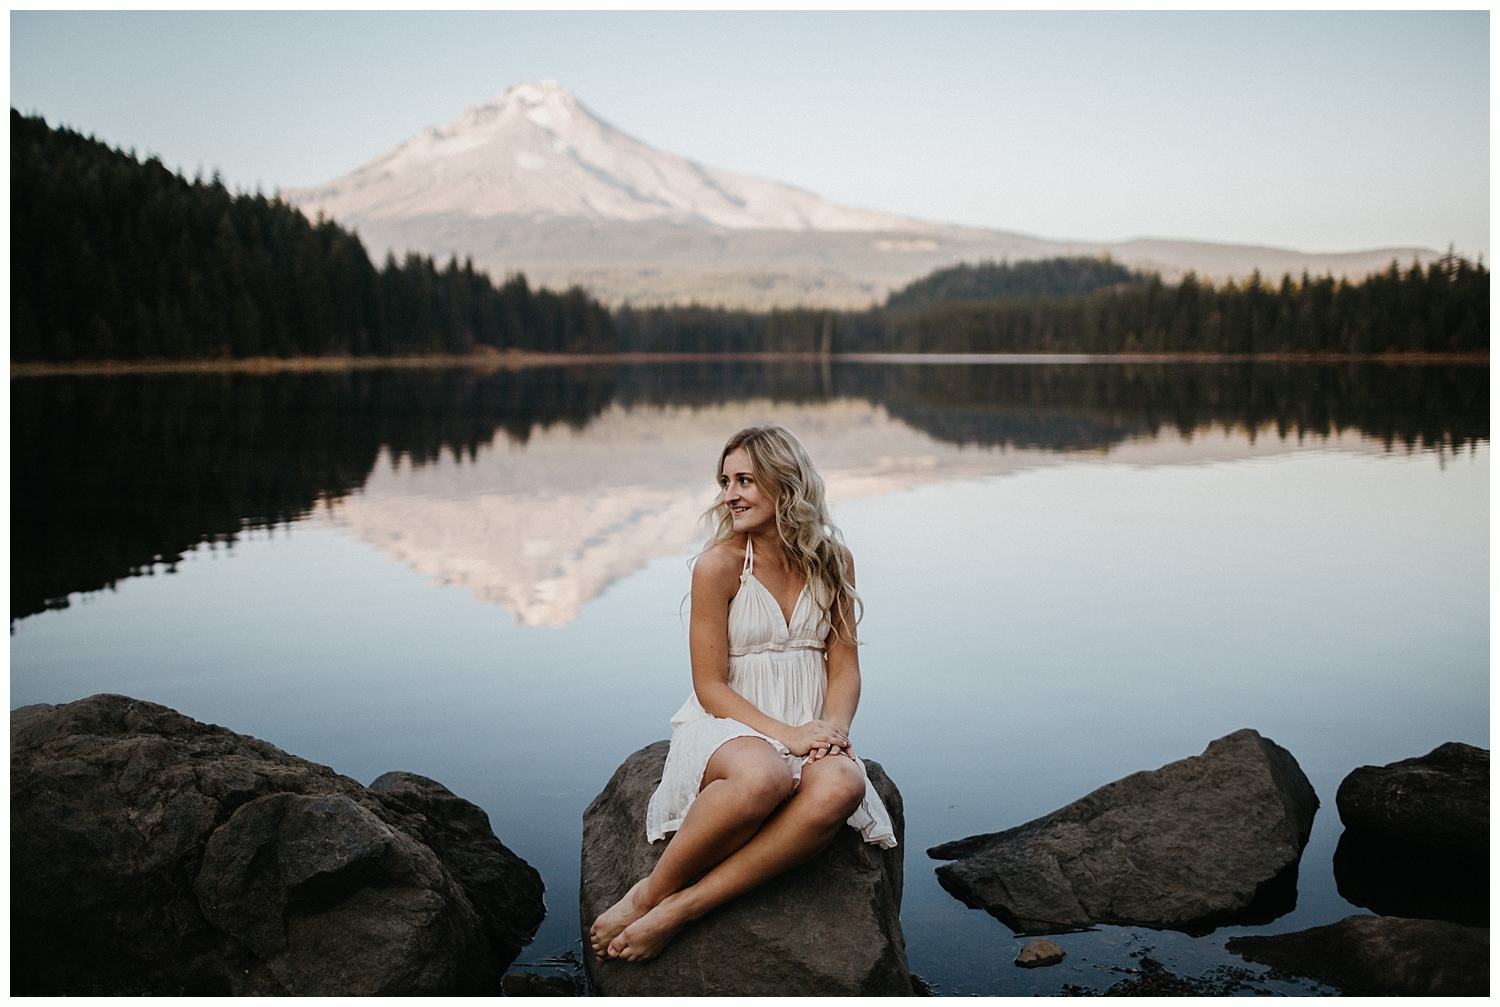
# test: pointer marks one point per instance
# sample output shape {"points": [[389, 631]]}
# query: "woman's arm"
{"points": [[843, 662], [715, 581]]}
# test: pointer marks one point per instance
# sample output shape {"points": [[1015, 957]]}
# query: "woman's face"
{"points": [[749, 504]]}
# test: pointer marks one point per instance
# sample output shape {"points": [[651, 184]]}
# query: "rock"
{"points": [[830, 927], [1392, 878], [1199, 843], [1380, 956], [1441, 800], [529, 984], [1039, 954], [505, 890], [153, 854]]}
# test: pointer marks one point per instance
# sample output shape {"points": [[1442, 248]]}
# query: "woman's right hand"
{"points": [[815, 737]]}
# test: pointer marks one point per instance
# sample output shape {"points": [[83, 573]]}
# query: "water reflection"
{"points": [[542, 529], [115, 476]]}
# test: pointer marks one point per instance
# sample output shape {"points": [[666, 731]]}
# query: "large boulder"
{"points": [[831, 927], [1440, 800], [1416, 836], [1380, 956], [153, 854], [1199, 843]]}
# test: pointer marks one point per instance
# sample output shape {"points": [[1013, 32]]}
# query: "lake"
{"points": [[1071, 572]]}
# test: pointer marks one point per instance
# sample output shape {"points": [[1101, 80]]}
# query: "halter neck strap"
{"points": [[749, 565]]}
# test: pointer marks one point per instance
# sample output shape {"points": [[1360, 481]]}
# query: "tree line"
{"points": [[1443, 307], [114, 258]]}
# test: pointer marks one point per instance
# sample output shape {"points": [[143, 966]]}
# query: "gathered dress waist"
{"points": [[775, 646]]}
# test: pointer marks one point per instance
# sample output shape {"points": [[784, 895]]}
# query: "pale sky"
{"points": [[1316, 131]]}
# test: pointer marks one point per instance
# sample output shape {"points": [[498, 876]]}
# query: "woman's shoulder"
{"points": [[843, 556], [720, 563]]}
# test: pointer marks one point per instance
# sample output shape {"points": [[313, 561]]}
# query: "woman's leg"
{"points": [[831, 790], [744, 782]]}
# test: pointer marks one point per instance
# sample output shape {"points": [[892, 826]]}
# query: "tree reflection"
{"points": [[113, 477]]}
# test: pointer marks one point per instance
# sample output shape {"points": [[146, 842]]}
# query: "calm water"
{"points": [[1071, 573]]}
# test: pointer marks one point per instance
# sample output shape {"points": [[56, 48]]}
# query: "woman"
{"points": [[760, 775]]}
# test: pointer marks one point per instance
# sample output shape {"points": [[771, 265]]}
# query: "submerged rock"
{"points": [[153, 854], [1380, 956], [1440, 800], [831, 927], [1199, 843], [1403, 879], [1039, 954]]}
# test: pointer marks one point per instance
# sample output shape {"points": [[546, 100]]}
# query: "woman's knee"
{"points": [[751, 768], [835, 786], [765, 784]]}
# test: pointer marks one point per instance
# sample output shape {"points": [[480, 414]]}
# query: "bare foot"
{"points": [[648, 936], [615, 919]]}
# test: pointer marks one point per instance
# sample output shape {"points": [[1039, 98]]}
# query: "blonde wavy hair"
{"points": [[782, 467]]}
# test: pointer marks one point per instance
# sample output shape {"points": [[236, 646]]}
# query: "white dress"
{"points": [[781, 668]]}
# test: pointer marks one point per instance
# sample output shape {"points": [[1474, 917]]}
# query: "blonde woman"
{"points": [[760, 775]]}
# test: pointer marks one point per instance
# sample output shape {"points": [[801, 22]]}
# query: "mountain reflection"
{"points": [[537, 488]]}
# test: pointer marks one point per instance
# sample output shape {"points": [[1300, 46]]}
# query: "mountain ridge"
{"points": [[534, 182], [536, 149]]}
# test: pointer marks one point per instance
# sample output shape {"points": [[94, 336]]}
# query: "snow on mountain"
{"points": [[536, 151], [534, 182]]}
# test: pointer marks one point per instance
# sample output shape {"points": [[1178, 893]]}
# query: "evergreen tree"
{"points": [[112, 258]]}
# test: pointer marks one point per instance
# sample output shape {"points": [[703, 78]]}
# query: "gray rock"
{"points": [[153, 854], [1039, 954], [831, 927], [1198, 843], [1440, 801], [1380, 956]]}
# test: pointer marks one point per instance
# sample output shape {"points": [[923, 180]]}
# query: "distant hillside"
{"points": [[112, 258], [1060, 277], [532, 181]]}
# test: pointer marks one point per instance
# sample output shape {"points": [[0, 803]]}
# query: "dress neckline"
{"points": [[748, 570]]}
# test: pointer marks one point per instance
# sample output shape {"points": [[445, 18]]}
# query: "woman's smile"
{"points": [[748, 505]]}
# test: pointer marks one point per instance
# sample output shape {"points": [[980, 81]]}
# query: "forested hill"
{"points": [[1061, 277], [112, 258]]}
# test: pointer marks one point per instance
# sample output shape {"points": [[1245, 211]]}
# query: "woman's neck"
{"points": [[767, 546]]}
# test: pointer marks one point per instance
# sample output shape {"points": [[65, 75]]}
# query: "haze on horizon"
{"points": [[1315, 131]]}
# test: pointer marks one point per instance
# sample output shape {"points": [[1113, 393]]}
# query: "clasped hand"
{"points": [[817, 738]]}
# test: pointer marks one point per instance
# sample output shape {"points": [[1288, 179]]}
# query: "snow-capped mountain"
{"points": [[535, 150], [534, 182]]}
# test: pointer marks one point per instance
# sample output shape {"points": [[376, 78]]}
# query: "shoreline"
{"points": [[511, 360]]}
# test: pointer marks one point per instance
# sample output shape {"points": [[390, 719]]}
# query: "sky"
{"points": [[1333, 131]]}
